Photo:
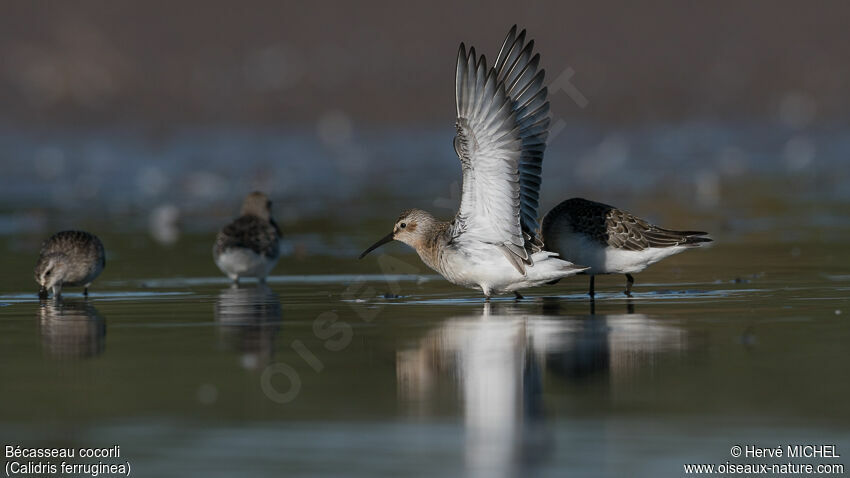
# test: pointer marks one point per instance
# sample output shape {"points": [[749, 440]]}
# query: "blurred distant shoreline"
{"points": [[337, 166]]}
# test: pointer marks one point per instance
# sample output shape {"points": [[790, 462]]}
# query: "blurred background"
{"points": [[170, 64], [146, 123], [169, 112]]}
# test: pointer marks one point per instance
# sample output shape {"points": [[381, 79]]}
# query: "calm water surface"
{"points": [[364, 374], [342, 367]]}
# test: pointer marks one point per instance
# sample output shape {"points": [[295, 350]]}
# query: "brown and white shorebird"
{"points": [[68, 258], [250, 245], [502, 125], [610, 240]]}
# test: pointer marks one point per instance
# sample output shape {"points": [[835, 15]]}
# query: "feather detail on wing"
{"points": [[629, 232], [489, 145], [502, 125], [517, 67]]}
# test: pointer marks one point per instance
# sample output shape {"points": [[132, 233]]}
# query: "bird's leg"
{"points": [[592, 306], [518, 296], [85, 292], [629, 282], [592, 292]]}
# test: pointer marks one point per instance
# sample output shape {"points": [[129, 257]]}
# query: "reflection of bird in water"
{"points": [[71, 329], [617, 346], [249, 319], [500, 357], [491, 356]]}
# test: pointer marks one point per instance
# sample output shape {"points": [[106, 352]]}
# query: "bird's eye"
{"points": [[47, 273], [403, 225]]}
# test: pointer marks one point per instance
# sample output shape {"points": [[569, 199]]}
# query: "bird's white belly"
{"points": [[242, 262], [484, 266], [619, 261], [474, 266], [603, 259]]}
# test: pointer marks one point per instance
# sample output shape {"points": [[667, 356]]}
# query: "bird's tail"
{"points": [[659, 237], [695, 238], [549, 267]]}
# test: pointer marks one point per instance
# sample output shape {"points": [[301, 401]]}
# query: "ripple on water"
{"points": [[665, 295], [285, 279], [10, 299]]}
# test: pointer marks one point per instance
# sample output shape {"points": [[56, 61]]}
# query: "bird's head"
{"points": [[257, 204], [412, 227], [50, 271]]}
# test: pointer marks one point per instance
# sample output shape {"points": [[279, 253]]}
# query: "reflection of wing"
{"points": [[504, 356], [517, 69], [613, 227], [500, 384], [72, 330]]}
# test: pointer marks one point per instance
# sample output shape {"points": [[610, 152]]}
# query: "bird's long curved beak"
{"points": [[42, 292], [381, 242]]}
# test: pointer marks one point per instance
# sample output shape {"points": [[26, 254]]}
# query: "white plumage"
{"points": [[502, 124]]}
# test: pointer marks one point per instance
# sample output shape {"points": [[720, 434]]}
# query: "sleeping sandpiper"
{"points": [[250, 245], [68, 258], [610, 240], [502, 125]]}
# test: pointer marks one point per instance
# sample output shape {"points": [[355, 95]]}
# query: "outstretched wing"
{"points": [[489, 145], [502, 127], [517, 67]]}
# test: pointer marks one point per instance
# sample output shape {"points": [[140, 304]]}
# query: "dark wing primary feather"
{"points": [[250, 232], [517, 67], [489, 146], [502, 125]]}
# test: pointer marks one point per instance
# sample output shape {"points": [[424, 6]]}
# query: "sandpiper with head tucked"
{"points": [[250, 245], [502, 125], [610, 240], [69, 258]]}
